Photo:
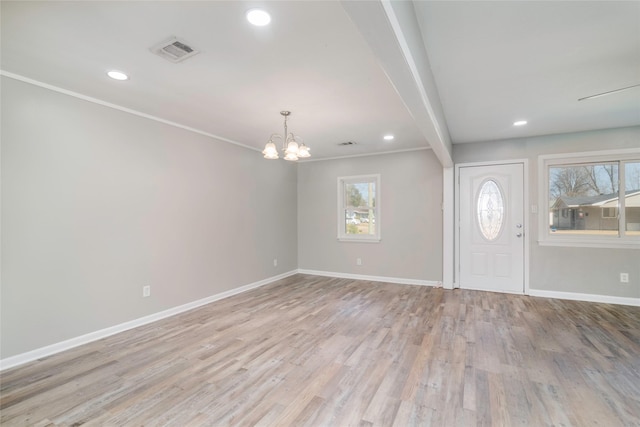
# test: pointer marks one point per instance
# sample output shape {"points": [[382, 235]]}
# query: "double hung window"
{"points": [[359, 208]]}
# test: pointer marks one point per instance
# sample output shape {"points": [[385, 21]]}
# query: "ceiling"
{"points": [[491, 62]]}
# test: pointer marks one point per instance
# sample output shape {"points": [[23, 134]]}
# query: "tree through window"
{"points": [[358, 208], [594, 198]]}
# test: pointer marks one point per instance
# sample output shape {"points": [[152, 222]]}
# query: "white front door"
{"points": [[491, 237]]}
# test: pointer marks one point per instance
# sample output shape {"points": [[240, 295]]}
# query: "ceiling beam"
{"points": [[392, 32]]}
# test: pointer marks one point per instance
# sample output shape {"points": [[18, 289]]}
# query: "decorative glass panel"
{"points": [[490, 210]]}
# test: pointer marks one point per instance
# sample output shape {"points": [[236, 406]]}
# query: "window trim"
{"points": [[366, 238], [545, 238]]}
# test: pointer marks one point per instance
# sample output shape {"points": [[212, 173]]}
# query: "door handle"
{"points": [[518, 225], [518, 234]]}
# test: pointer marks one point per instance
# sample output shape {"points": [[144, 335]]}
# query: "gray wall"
{"points": [[567, 269], [411, 217], [97, 203]]}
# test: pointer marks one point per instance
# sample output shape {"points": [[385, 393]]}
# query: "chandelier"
{"points": [[290, 147]]}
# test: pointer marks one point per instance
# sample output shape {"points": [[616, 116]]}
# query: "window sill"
{"points": [[591, 243], [359, 239]]}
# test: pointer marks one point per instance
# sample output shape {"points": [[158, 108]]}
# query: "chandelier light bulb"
{"points": [[303, 151], [291, 156], [290, 147], [270, 151]]}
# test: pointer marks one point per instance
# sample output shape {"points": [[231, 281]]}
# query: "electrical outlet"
{"points": [[359, 261], [275, 262], [146, 291], [624, 277]]}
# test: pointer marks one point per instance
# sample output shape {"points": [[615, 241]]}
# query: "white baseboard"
{"points": [[41, 352], [585, 297], [372, 278]]}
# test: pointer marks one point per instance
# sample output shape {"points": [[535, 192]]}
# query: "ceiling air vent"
{"points": [[342, 144], [174, 50]]}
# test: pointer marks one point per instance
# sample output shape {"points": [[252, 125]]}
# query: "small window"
{"points": [[359, 208], [609, 213]]}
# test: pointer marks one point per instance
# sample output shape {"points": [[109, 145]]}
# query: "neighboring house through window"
{"points": [[591, 199], [359, 208]]}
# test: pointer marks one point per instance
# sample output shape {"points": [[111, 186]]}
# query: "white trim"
{"points": [[121, 108], [527, 223], [175, 124], [49, 350], [359, 240], [309, 160], [604, 155], [603, 243], [385, 279], [20, 359], [448, 227], [606, 299]]}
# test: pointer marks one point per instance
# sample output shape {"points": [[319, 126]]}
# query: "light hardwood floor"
{"points": [[335, 352]]}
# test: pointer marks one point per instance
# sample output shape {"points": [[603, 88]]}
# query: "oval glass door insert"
{"points": [[490, 210]]}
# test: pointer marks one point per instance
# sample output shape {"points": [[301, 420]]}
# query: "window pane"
{"points": [[358, 211], [583, 199], [360, 198], [490, 210], [360, 222], [360, 195], [632, 198]]}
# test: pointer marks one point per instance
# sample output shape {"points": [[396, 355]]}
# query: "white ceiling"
{"points": [[498, 62], [493, 63]]}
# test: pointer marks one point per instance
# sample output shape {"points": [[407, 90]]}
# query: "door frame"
{"points": [[527, 211]]}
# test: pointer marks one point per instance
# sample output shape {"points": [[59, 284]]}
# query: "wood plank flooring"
{"points": [[314, 351]]}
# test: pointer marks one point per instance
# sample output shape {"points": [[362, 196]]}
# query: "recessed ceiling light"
{"points": [[520, 123], [388, 137], [117, 75], [258, 17]]}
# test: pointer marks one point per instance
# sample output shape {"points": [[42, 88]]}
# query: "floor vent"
{"points": [[174, 50]]}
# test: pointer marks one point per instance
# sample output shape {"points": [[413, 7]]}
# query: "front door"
{"points": [[491, 237]]}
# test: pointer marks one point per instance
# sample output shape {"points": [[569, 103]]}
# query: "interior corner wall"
{"points": [[411, 217], [591, 271], [97, 203]]}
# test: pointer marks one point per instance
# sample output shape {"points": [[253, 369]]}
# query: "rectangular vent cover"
{"points": [[347, 143], [174, 50]]}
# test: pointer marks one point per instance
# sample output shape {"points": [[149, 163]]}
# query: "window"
{"points": [[591, 199], [359, 208]]}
